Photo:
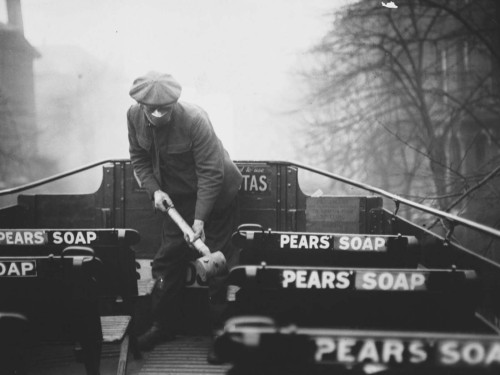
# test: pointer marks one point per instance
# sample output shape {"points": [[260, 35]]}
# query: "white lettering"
{"points": [[417, 352], [493, 355], [27, 267], [28, 238], [68, 238], [394, 349], [401, 282], [449, 351], [473, 353], [379, 243], [313, 242], [361, 243], [288, 277], [17, 268], [19, 238], [91, 236], [303, 242], [79, 238], [284, 240], [309, 279], [13, 270], [343, 280], [367, 245], [393, 281], [325, 244], [324, 345], [356, 243], [417, 280], [71, 238], [368, 351], [39, 239], [314, 281], [245, 182], [344, 351], [295, 241], [301, 279], [253, 184], [385, 281], [57, 238], [263, 183], [344, 243], [369, 281], [327, 280]]}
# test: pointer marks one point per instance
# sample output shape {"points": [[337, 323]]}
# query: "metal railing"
{"points": [[59, 176], [452, 219]]}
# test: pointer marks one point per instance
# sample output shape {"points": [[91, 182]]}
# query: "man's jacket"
{"points": [[184, 158]]}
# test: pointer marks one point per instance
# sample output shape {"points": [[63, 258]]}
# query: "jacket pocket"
{"points": [[179, 148], [179, 155]]}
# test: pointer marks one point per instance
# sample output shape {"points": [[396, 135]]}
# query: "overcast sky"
{"points": [[250, 41], [234, 57]]}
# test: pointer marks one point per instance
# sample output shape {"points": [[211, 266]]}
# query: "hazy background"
{"points": [[238, 59], [308, 80]]}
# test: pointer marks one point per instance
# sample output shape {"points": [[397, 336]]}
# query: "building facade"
{"points": [[17, 98]]}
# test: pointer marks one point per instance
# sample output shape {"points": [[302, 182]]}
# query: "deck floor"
{"points": [[185, 355]]}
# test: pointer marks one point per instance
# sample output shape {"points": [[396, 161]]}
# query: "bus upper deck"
{"points": [[335, 279]]}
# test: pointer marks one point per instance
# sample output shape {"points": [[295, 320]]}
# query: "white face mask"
{"points": [[160, 115]]}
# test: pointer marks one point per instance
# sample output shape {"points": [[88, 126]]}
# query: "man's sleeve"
{"points": [[141, 160], [209, 160]]}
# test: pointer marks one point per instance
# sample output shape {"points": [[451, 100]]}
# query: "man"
{"points": [[179, 160]]}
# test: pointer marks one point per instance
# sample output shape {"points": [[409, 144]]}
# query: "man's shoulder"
{"points": [[134, 112], [191, 111]]}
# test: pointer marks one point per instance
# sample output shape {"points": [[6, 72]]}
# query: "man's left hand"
{"points": [[199, 232]]}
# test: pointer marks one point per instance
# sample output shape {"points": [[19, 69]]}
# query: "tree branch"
{"points": [[490, 175]]}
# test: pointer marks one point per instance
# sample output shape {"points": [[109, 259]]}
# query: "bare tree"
{"points": [[406, 98]]}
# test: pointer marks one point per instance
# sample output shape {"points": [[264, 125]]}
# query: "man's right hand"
{"points": [[160, 197]]}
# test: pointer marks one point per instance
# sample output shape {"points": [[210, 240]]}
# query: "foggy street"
{"points": [[249, 187]]}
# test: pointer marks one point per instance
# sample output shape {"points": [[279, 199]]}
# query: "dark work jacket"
{"points": [[184, 158]]}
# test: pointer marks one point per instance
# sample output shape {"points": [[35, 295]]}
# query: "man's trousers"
{"points": [[170, 264]]}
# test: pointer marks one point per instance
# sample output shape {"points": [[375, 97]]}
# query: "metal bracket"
{"points": [[449, 233], [397, 203], [394, 226]]}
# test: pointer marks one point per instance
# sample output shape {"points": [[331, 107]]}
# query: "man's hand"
{"points": [[160, 197], [199, 232]]}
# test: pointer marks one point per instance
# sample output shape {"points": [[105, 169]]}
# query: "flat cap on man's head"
{"points": [[155, 89]]}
